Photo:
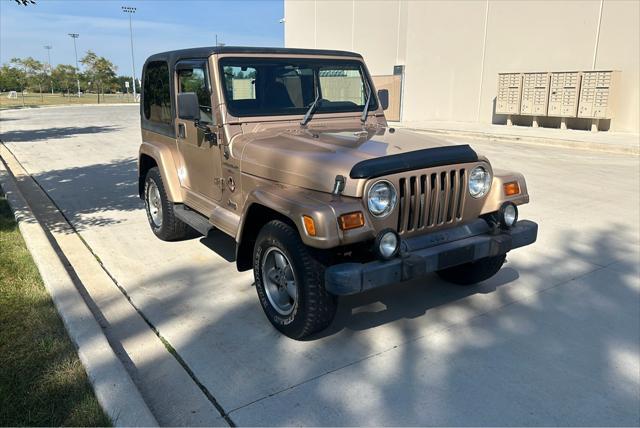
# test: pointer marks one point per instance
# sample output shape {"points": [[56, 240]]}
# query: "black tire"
{"points": [[171, 228], [315, 308], [474, 272]]}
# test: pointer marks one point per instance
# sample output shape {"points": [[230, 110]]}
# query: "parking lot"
{"points": [[553, 339]]}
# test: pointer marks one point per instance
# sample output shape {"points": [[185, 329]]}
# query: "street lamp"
{"points": [[74, 36], [48, 48], [131, 11]]}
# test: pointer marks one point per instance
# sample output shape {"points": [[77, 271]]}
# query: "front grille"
{"points": [[431, 200]]}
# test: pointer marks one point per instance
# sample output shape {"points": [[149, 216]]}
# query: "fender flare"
{"points": [[496, 196], [163, 157]]}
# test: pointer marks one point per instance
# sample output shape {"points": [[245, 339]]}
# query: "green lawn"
{"points": [[36, 100], [42, 382]]}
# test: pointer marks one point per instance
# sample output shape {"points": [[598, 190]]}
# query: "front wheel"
{"points": [[290, 282], [474, 272]]}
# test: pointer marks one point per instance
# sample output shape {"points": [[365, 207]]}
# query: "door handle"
{"points": [[182, 131]]}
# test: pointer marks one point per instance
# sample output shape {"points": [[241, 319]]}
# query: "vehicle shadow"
{"points": [[406, 301], [220, 243]]}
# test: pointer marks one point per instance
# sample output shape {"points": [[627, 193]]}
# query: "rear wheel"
{"points": [[164, 224], [290, 282], [474, 272]]}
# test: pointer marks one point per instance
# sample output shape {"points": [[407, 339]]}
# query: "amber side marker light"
{"points": [[351, 220], [511, 188], [309, 225]]}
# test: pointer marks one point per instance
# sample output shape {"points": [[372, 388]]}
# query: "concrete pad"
{"points": [[587, 208], [566, 356]]}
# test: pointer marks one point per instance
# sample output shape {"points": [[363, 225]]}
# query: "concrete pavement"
{"points": [[553, 339]]}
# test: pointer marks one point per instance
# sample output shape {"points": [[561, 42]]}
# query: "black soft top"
{"points": [[174, 56]]}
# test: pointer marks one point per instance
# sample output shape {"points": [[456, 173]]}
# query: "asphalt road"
{"points": [[553, 339]]}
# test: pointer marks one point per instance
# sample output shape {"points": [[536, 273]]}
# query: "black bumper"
{"points": [[429, 253]]}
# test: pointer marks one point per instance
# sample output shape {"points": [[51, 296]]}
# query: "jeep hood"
{"points": [[312, 158]]}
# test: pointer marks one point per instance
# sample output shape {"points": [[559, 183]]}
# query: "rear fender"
{"points": [[163, 157]]}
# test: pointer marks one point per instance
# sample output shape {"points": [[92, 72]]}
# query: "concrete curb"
{"points": [[542, 141], [114, 389]]}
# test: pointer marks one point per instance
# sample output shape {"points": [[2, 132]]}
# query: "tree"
{"points": [[122, 84], [11, 78], [34, 72], [64, 76], [100, 70]]}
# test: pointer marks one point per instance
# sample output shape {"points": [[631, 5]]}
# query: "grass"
{"points": [[42, 381], [37, 100]]}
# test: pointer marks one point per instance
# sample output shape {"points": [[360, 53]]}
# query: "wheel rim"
{"points": [[154, 203], [279, 281]]}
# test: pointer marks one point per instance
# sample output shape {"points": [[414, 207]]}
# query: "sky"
{"points": [[157, 26]]}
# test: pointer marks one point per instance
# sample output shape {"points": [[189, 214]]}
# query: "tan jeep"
{"points": [[288, 151]]}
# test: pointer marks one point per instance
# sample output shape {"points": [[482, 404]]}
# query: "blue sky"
{"points": [[157, 26]]}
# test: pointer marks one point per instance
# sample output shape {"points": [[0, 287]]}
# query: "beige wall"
{"points": [[453, 50]]}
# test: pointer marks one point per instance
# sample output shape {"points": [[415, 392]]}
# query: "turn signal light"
{"points": [[511, 188], [351, 220], [309, 225]]}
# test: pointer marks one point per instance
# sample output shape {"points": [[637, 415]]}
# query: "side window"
{"points": [[240, 83], [157, 97], [196, 80]]}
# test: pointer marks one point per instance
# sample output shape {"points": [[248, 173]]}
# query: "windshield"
{"points": [[265, 87]]}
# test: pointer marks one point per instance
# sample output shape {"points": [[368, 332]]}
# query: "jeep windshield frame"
{"points": [[257, 86]]}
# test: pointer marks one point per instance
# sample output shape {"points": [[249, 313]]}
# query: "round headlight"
{"points": [[479, 182], [381, 198]]}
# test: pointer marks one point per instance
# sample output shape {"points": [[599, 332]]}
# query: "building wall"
{"points": [[453, 50]]}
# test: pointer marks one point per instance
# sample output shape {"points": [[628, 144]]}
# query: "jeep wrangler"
{"points": [[289, 152]]}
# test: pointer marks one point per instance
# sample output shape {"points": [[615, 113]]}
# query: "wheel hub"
{"points": [[154, 203], [279, 281]]}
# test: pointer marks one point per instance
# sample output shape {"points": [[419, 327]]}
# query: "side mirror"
{"points": [[383, 96], [188, 106]]}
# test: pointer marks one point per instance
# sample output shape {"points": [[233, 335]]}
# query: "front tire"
{"points": [[162, 219], [290, 282], [474, 272]]}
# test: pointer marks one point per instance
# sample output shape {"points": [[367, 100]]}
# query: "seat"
{"points": [[277, 96]]}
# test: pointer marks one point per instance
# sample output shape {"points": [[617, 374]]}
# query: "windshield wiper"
{"points": [[312, 108], [316, 101], [363, 119]]}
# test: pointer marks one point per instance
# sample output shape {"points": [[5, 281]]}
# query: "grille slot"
{"points": [[430, 200]]}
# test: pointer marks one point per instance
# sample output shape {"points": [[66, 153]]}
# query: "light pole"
{"points": [[131, 11], [74, 36], [48, 48]]}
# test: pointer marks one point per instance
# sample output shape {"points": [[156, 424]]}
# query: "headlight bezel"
{"points": [[392, 203], [486, 185]]}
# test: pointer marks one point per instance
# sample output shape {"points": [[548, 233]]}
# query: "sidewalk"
{"points": [[602, 141]]}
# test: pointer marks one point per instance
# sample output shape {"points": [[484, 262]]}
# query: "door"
{"points": [[202, 169]]}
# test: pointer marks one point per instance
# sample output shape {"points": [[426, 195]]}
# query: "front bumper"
{"points": [[430, 253]]}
